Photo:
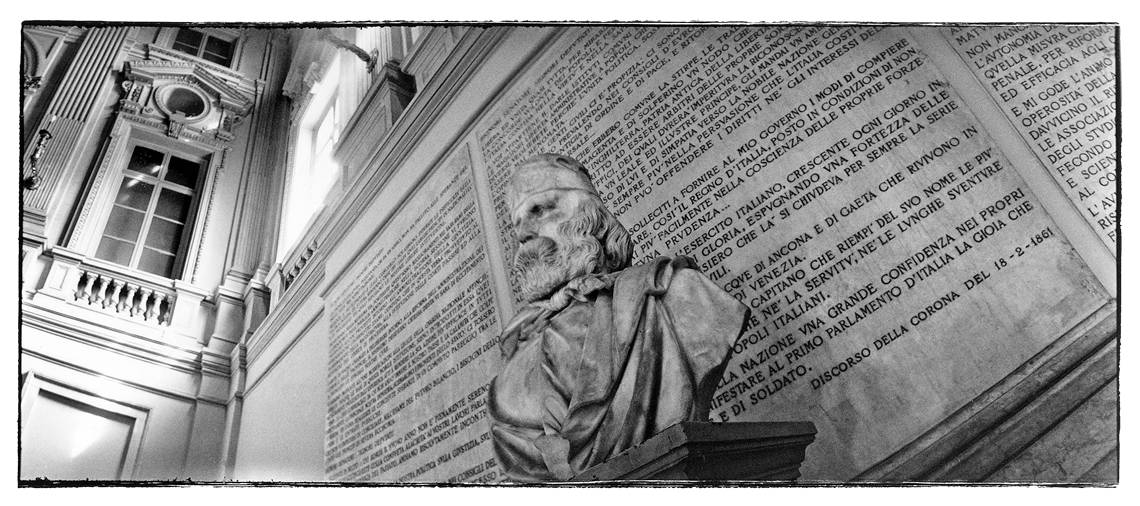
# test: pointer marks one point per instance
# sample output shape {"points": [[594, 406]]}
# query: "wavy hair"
{"points": [[593, 241], [614, 249]]}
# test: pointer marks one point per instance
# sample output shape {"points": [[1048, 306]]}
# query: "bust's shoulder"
{"points": [[660, 273], [697, 306]]}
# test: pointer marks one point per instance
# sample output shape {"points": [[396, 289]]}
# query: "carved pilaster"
{"points": [[187, 311], [76, 238], [209, 207], [233, 411], [249, 237], [228, 322]]}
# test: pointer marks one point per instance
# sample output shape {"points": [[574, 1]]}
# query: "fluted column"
{"points": [[71, 106]]}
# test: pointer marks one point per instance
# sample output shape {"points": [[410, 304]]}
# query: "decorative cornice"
{"points": [[102, 374], [158, 54], [151, 71], [217, 364], [295, 264], [177, 130], [126, 338]]}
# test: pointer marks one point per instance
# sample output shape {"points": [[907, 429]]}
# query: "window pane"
{"points": [[125, 223], [134, 194], [156, 263], [188, 41], [183, 172], [325, 130], [164, 235], [146, 161], [173, 205], [114, 250], [218, 51]]}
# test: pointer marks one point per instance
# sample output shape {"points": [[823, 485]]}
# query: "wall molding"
{"points": [[278, 357], [154, 349], [170, 394], [955, 449], [295, 297]]}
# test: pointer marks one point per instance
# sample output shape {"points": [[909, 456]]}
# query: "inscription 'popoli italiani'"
{"points": [[829, 178]]}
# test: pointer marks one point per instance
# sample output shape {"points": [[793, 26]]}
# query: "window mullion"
{"points": [[151, 207]]}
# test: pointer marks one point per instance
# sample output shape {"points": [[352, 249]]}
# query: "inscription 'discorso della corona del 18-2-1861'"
{"points": [[829, 178], [895, 263]]}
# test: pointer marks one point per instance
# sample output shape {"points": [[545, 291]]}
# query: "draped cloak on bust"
{"points": [[606, 363]]}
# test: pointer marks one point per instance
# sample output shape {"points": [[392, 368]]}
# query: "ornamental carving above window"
{"points": [[184, 99]]}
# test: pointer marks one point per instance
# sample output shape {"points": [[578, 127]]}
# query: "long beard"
{"points": [[543, 265]]}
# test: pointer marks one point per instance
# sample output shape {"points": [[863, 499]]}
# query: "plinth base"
{"points": [[706, 451]]}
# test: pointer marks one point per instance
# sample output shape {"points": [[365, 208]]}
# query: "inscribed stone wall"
{"points": [[895, 263], [1057, 84], [413, 343]]}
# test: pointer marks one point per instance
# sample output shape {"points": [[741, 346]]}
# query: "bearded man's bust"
{"points": [[603, 355]]}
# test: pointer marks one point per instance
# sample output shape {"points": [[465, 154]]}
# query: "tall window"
{"points": [[206, 46], [315, 168], [147, 228]]}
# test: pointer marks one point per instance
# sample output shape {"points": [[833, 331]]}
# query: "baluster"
{"points": [[100, 290], [85, 293], [129, 300], [168, 313], [144, 299], [156, 309], [79, 285], [116, 287]]}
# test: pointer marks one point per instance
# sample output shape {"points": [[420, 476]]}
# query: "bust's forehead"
{"points": [[542, 174]]}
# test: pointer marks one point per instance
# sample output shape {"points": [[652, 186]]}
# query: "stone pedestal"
{"points": [[716, 452]]}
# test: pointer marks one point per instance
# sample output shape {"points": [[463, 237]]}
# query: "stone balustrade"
{"points": [[127, 297]]}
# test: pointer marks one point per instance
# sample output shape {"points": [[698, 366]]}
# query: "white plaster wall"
{"points": [[282, 434]]}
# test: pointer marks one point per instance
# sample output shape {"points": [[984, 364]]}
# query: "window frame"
{"points": [[159, 184], [233, 38], [324, 100], [86, 230]]}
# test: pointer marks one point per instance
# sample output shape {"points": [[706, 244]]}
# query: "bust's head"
{"points": [[563, 229]]}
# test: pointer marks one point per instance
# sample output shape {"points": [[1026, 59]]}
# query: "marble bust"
{"points": [[603, 355]]}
